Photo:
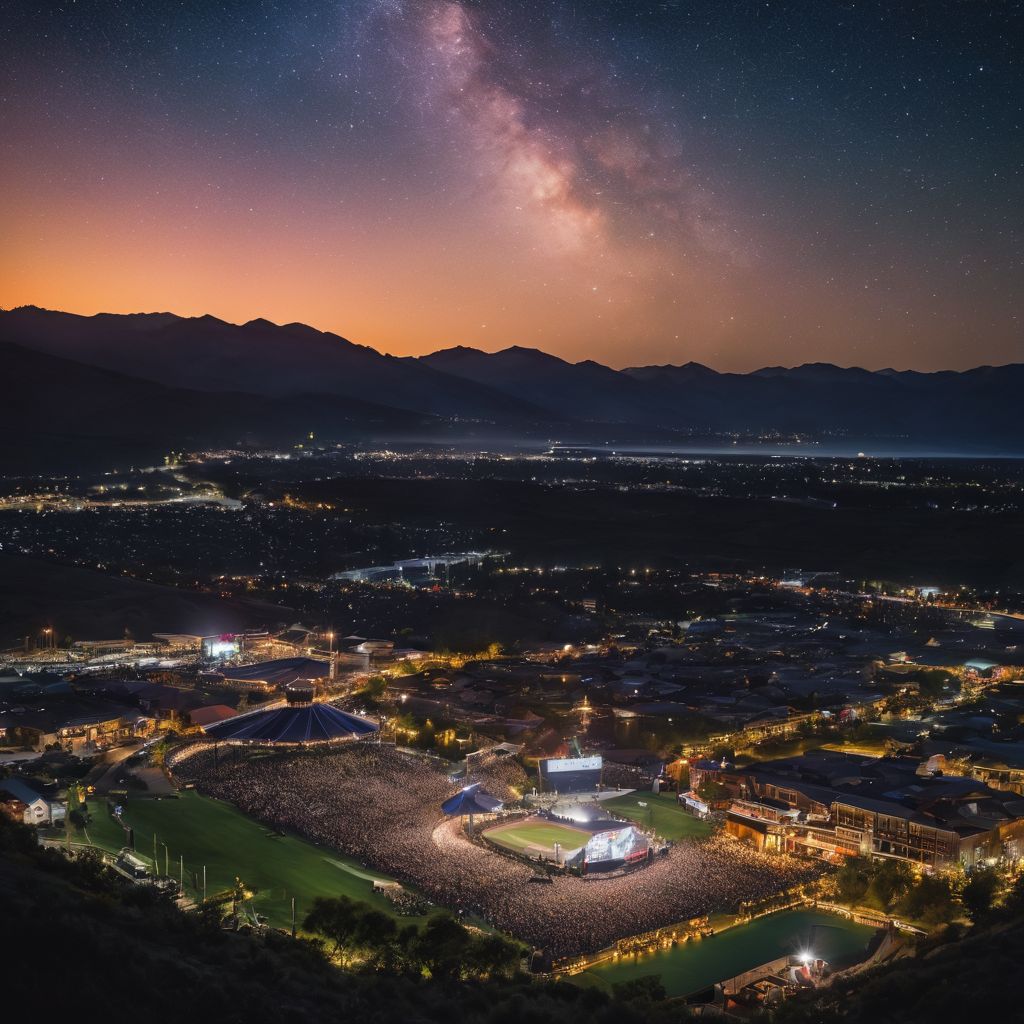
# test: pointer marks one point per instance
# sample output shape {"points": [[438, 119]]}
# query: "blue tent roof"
{"points": [[471, 800], [279, 672], [295, 723]]}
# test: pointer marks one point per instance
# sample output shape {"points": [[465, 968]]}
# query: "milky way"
{"points": [[736, 183], [597, 167]]}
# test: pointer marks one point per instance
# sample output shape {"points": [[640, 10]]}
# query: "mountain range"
{"points": [[139, 383]]}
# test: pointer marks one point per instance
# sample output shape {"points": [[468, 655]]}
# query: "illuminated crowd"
{"points": [[382, 807], [501, 776]]}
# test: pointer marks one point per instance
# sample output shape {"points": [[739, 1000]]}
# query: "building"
{"points": [[268, 675], [103, 729], [35, 809], [210, 715], [76, 723], [999, 765], [832, 805], [760, 821]]}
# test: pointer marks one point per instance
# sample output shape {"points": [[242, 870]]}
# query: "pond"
{"points": [[690, 967]]}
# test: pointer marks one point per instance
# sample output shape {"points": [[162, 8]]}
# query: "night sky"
{"points": [[742, 184]]}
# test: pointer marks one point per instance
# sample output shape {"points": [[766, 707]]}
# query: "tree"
{"points": [[930, 900], [889, 882], [337, 919], [493, 956], [933, 681], [852, 881], [980, 892], [442, 946], [375, 686], [1013, 904], [713, 791], [396, 956], [373, 928]]}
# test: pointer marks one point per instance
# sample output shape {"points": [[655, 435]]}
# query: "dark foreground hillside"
{"points": [[81, 941]]}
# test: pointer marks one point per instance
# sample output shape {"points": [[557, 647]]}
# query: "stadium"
{"points": [[573, 832], [475, 845], [599, 844]]}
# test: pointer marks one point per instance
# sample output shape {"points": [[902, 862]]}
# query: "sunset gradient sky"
{"points": [[740, 184]]}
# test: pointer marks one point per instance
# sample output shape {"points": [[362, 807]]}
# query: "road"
{"points": [[105, 773]]}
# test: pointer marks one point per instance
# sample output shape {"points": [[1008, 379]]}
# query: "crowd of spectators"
{"points": [[500, 775], [626, 776], [382, 807]]}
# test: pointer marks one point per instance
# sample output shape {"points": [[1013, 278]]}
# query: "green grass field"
{"points": [[206, 831], [522, 834], [662, 814]]}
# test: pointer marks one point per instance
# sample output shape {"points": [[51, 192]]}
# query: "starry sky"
{"points": [[738, 183]]}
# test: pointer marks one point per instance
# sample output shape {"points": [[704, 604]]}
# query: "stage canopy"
{"points": [[279, 672], [296, 723], [471, 800]]}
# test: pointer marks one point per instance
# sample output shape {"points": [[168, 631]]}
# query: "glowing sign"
{"points": [[572, 764]]}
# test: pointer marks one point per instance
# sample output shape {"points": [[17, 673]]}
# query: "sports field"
{"points": [[535, 833], [662, 814], [230, 844]]}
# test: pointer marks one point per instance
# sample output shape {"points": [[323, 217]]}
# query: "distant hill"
{"points": [[512, 392], [207, 354], [975, 407], [61, 414], [584, 391]]}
